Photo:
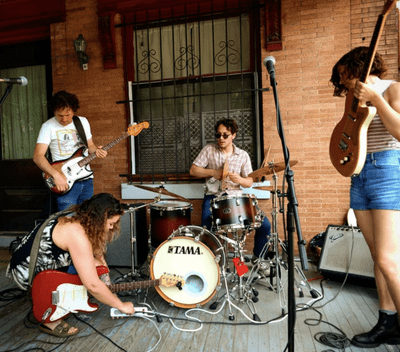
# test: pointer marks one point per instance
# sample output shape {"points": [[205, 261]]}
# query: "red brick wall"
{"points": [[315, 35]]}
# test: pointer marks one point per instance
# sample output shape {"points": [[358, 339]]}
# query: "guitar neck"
{"points": [[93, 156], [370, 55], [128, 286]]}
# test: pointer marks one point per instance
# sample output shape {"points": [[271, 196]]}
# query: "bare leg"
{"points": [[381, 230], [386, 228], [365, 222]]}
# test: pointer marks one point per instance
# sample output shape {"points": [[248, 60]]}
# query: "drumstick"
{"points": [[225, 173]]}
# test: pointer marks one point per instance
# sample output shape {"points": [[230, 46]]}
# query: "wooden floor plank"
{"points": [[355, 310]]}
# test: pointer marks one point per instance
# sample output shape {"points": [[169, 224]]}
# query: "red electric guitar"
{"points": [[56, 294], [348, 145], [74, 167]]}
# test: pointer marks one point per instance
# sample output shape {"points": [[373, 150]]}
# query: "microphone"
{"points": [[20, 80], [269, 63]]}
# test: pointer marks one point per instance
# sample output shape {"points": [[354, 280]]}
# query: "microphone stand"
{"points": [[293, 222]]}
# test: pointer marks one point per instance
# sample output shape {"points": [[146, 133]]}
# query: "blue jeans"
{"points": [[79, 192], [378, 184], [261, 236]]}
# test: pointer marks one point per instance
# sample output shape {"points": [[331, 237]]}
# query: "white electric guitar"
{"points": [[74, 168]]}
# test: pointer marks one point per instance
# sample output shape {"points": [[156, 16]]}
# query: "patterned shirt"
{"points": [[211, 157]]}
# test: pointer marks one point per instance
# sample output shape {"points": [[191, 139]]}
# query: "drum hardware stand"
{"points": [[277, 263], [134, 273], [244, 292]]}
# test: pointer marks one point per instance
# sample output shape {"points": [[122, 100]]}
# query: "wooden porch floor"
{"points": [[354, 310]]}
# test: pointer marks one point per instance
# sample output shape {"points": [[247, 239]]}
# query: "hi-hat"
{"points": [[268, 170], [161, 190]]}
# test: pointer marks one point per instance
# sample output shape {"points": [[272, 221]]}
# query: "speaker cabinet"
{"points": [[119, 251], [345, 250]]}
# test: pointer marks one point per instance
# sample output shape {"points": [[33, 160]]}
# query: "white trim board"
{"points": [[186, 190]]}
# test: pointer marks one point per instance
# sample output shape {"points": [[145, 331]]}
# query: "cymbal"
{"points": [[268, 170], [161, 190]]}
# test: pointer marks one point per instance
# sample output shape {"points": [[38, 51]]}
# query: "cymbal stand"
{"points": [[277, 262], [134, 261]]}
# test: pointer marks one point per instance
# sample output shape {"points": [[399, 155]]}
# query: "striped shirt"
{"points": [[378, 137], [211, 157]]}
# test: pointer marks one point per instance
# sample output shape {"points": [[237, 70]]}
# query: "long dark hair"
{"points": [[92, 214], [353, 63]]}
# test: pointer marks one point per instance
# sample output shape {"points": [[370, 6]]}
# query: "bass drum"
{"points": [[193, 253]]}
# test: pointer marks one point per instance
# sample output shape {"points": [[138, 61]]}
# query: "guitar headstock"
{"points": [[170, 280], [134, 130], [389, 5]]}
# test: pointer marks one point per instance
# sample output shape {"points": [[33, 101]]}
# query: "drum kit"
{"points": [[202, 257]]}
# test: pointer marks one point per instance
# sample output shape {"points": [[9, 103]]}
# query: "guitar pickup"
{"points": [[343, 145], [50, 182], [346, 136], [55, 297]]}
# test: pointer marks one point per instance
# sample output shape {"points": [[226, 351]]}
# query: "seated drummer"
{"points": [[210, 164]]}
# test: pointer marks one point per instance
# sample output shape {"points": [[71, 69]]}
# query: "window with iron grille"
{"points": [[188, 74]]}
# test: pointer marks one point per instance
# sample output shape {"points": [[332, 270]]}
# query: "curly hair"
{"points": [[229, 123], [353, 63], [92, 214], [62, 100]]}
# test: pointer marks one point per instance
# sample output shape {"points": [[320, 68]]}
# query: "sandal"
{"points": [[61, 330]]}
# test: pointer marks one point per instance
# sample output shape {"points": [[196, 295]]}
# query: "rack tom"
{"points": [[231, 212]]}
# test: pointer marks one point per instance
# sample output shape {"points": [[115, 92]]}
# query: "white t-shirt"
{"points": [[63, 141]]}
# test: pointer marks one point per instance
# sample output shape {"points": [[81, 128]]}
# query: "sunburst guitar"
{"points": [[348, 144], [75, 167]]}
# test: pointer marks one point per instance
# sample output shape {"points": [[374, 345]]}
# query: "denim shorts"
{"points": [[378, 184]]}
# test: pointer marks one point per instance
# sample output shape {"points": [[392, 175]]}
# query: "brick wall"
{"points": [[315, 35]]}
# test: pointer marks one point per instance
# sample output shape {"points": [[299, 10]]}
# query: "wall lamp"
{"points": [[80, 47]]}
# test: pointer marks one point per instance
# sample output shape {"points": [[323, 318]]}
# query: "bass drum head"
{"points": [[195, 263]]}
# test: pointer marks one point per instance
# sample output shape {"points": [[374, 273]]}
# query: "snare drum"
{"points": [[165, 217], [195, 254], [235, 212]]}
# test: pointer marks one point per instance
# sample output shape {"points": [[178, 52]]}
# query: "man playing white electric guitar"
{"points": [[62, 137]]}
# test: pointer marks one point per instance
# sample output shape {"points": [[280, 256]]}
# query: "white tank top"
{"points": [[378, 137]]}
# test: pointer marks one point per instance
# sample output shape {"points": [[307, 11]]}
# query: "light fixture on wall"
{"points": [[80, 47]]}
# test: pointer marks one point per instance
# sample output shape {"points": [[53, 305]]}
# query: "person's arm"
{"points": [[388, 107], [81, 252], [39, 158], [200, 172], [245, 182], [100, 152]]}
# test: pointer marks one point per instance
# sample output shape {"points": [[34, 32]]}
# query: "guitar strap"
{"points": [[80, 129], [36, 243]]}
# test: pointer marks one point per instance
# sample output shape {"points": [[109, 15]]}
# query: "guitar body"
{"points": [[348, 144], [75, 169], [71, 170], [59, 294], [56, 294]]}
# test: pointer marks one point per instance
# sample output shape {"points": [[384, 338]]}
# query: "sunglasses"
{"points": [[225, 135]]}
